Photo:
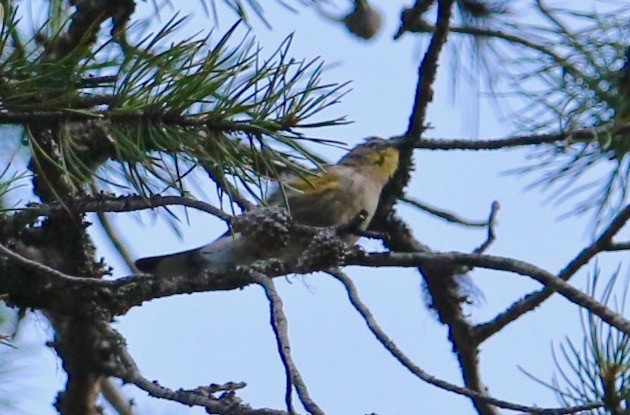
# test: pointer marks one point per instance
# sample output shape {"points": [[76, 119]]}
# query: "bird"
{"points": [[332, 196]]}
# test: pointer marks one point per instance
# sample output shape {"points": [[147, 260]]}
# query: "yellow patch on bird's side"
{"points": [[315, 184]]}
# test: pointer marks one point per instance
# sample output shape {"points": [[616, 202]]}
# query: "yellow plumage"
{"points": [[332, 196]]}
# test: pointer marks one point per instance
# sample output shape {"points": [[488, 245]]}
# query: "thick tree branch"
{"points": [[391, 346], [119, 295], [171, 119], [423, 96], [396, 259], [440, 280], [77, 336], [534, 299], [551, 282]]}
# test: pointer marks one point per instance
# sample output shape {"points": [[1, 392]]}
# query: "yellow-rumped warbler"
{"points": [[332, 196]]}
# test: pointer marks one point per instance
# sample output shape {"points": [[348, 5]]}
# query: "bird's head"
{"points": [[375, 157]]}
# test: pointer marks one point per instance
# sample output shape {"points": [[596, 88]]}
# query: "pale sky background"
{"points": [[199, 339]]}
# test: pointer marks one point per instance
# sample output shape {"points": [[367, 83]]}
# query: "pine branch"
{"points": [[280, 329], [448, 216], [551, 282], [618, 246], [442, 284], [595, 368], [565, 76], [391, 346], [534, 299], [587, 135], [126, 369], [102, 203], [193, 102]]}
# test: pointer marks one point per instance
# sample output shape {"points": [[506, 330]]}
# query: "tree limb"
{"points": [[618, 246], [551, 282], [280, 329], [102, 203], [389, 344], [442, 284], [534, 299], [447, 216], [227, 404], [584, 135]]}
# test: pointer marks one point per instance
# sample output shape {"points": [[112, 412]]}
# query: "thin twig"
{"points": [[421, 26], [448, 216], [393, 349], [279, 326], [597, 246], [228, 188], [618, 246], [494, 209], [189, 398], [39, 267], [280, 329], [127, 203], [130, 373], [534, 299], [114, 238], [113, 395], [583, 136]]}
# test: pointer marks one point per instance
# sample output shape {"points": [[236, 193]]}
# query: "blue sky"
{"points": [[200, 339]]}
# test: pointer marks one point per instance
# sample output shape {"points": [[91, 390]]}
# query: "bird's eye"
{"points": [[372, 144]]}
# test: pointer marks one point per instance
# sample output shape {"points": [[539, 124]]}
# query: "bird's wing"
{"points": [[327, 199], [318, 200]]}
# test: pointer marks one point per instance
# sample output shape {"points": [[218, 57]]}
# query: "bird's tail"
{"points": [[172, 265]]}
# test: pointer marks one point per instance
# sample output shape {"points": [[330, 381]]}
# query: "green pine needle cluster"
{"points": [[598, 369], [146, 115], [569, 70]]}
